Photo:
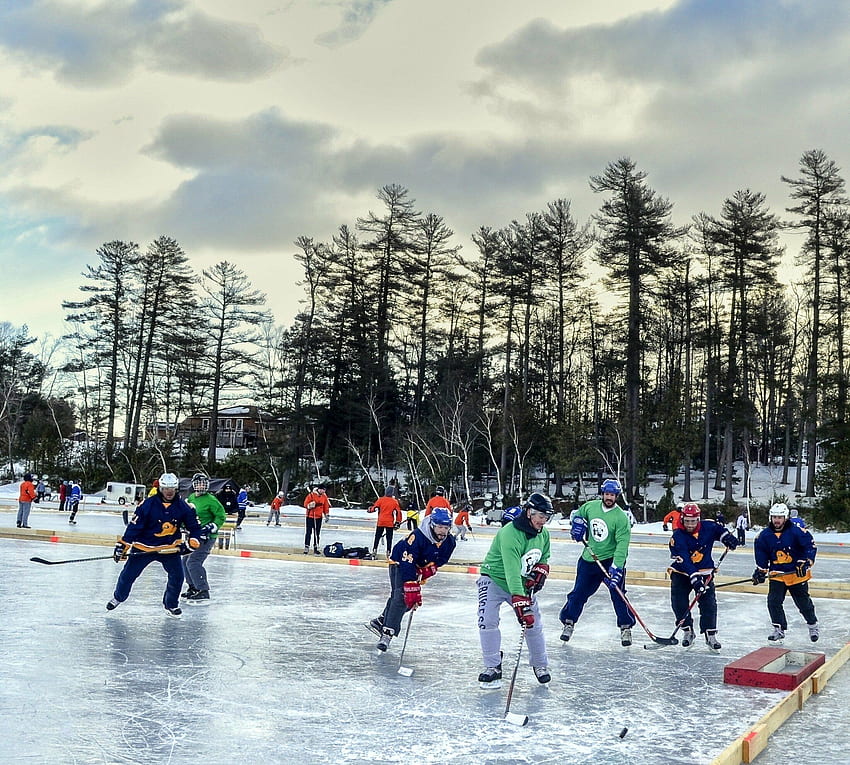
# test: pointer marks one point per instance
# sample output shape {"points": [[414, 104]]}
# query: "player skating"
{"points": [[692, 569], [413, 560], [515, 567], [211, 517]]}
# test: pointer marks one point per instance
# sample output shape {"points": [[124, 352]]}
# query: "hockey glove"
{"points": [[802, 567], [615, 577], [208, 530], [120, 552], [426, 571], [311, 505], [759, 576], [537, 577], [397, 525], [521, 605], [729, 540], [578, 529], [664, 526], [698, 583], [412, 595]]}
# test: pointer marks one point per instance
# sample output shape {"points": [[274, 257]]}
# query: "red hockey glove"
{"points": [[427, 571], [537, 577], [522, 606], [412, 595]]}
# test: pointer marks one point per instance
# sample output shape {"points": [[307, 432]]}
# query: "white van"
{"points": [[125, 493]]}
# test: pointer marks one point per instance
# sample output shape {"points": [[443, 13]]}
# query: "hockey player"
{"points": [[414, 560], [692, 569], [461, 521], [154, 534], [389, 518], [438, 500], [606, 529], [242, 505], [211, 517], [75, 494], [515, 567], [318, 509], [274, 509], [786, 553]]}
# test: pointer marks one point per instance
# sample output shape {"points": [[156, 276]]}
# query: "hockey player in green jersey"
{"points": [[606, 529]]}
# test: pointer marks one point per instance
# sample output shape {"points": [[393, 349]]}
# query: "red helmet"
{"points": [[691, 510]]}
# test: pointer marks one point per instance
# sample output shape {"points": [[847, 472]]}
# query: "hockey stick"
{"points": [[696, 598], [513, 717], [749, 580], [101, 557], [652, 636], [402, 670]]}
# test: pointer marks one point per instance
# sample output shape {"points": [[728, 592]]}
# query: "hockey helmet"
{"points": [[691, 514], [611, 486], [169, 481], [779, 510], [440, 491], [440, 517], [539, 503], [200, 483]]}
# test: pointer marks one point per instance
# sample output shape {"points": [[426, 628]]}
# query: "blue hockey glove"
{"points": [[759, 576], [578, 529], [208, 530], [802, 567], [698, 583], [615, 577], [120, 552], [729, 540]]}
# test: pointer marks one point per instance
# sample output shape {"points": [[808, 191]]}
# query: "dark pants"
{"points": [[777, 589], [588, 578], [314, 529], [742, 537], [73, 507], [395, 609], [240, 516], [412, 523], [680, 599], [379, 532], [138, 562], [61, 504]]}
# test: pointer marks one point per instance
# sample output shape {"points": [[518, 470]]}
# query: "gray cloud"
{"points": [[357, 15], [103, 46]]}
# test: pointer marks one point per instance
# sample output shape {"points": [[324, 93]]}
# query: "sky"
{"points": [[237, 127]]}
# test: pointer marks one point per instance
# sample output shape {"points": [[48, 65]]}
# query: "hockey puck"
{"points": [[624, 732]]}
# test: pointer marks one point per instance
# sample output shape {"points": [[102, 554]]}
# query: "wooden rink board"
{"points": [[748, 746]]}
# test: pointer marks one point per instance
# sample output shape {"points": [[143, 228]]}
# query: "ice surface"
{"points": [[279, 668]]}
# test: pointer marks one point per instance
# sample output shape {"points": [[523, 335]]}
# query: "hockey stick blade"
{"points": [[75, 560], [516, 719], [661, 643], [405, 671]]}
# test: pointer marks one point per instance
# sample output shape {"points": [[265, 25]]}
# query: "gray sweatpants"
{"points": [[490, 599]]}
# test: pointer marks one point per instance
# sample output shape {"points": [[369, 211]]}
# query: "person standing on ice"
{"points": [[603, 525], [25, 500], [414, 560], [692, 569], [274, 509], [242, 505], [515, 567], [741, 527], [154, 534], [75, 496], [786, 553], [796, 519], [389, 518], [211, 517], [318, 508], [438, 500]]}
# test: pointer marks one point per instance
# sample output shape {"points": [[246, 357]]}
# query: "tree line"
{"points": [[625, 343]]}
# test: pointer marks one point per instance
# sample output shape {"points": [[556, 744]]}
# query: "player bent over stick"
{"points": [[515, 567], [413, 560], [154, 529]]}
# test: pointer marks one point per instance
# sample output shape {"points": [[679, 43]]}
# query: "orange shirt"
{"points": [[321, 504], [389, 511], [276, 503], [27, 491], [462, 518], [437, 501]]}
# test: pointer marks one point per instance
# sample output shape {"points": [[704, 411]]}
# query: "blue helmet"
{"points": [[441, 517], [611, 486], [539, 503], [510, 514]]}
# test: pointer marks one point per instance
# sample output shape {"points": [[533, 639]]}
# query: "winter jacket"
{"points": [[389, 512]]}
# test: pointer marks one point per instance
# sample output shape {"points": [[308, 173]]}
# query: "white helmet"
{"points": [[779, 510], [281, 495], [169, 481]]}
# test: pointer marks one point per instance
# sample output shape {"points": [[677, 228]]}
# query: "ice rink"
{"points": [[279, 668]]}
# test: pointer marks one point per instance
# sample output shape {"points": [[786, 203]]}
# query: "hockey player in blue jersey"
{"points": [[692, 569], [413, 560], [154, 534]]}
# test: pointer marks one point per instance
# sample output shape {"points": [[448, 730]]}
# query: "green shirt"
{"points": [[608, 532], [208, 509], [512, 555]]}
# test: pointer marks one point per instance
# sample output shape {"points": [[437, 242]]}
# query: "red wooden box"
{"points": [[773, 668]]}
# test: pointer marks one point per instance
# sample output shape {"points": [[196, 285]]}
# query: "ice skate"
{"points": [[190, 591], [175, 612], [376, 626], [199, 598], [711, 640], [542, 674], [567, 632], [491, 678], [626, 636], [384, 642], [688, 637], [777, 634], [112, 604], [814, 632], [306, 551]]}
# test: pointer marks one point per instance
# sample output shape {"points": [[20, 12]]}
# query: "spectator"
{"points": [[742, 526], [63, 493], [227, 497], [242, 504], [389, 518], [796, 519], [40, 490], [412, 514], [25, 499], [274, 509], [154, 488], [318, 509]]}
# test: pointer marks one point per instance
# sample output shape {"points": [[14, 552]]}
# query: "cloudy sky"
{"points": [[235, 127]]}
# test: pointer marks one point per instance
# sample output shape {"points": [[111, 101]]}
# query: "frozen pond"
{"points": [[280, 668]]}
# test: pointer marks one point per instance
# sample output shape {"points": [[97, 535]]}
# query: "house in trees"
{"points": [[239, 427]]}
